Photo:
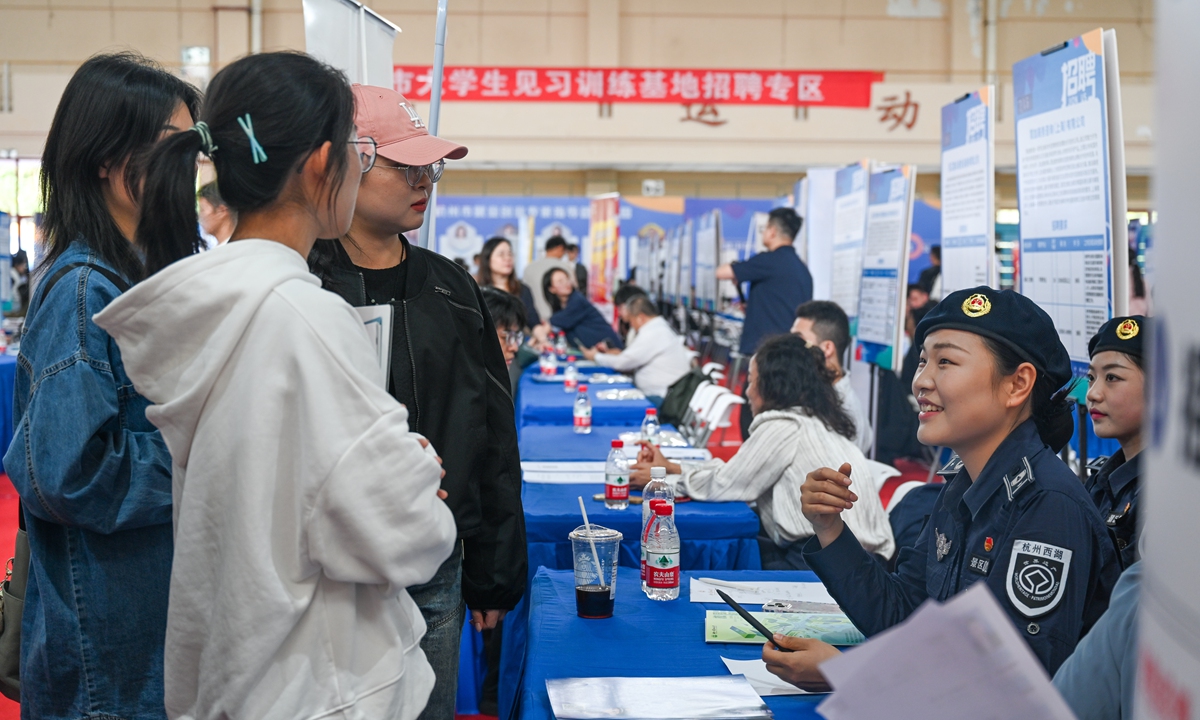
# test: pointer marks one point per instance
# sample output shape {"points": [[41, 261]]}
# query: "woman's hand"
{"points": [[649, 456], [590, 353], [823, 496], [799, 667]]}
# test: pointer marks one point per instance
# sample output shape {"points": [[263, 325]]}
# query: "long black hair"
{"points": [[1052, 408], [555, 303], [792, 373], [484, 278], [113, 110], [294, 105]]}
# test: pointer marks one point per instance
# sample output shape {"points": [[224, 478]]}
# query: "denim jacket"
{"points": [[95, 482]]}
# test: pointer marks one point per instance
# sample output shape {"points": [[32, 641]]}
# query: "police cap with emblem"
{"points": [[1123, 334], [1006, 317]]}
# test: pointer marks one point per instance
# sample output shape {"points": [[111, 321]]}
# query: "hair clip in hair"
{"points": [[206, 140], [256, 150]]}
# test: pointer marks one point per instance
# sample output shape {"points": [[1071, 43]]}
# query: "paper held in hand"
{"points": [[378, 321]]}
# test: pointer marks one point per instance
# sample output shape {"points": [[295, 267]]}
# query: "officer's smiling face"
{"points": [[955, 390], [1115, 398]]}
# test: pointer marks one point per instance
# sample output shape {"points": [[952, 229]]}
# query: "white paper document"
{"points": [[562, 473], [761, 679], [378, 321], [963, 659], [722, 697], [704, 590]]}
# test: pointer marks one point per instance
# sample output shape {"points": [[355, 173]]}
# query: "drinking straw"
{"points": [[595, 555]]}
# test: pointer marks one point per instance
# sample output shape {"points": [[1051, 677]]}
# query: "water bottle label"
{"points": [[582, 420], [662, 570], [570, 383], [616, 487]]}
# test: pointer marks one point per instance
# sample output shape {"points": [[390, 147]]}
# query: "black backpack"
{"points": [[675, 405]]}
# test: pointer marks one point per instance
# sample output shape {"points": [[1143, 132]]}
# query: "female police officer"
{"points": [[1116, 403], [1011, 513]]}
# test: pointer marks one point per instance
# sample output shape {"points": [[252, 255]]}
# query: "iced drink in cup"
{"points": [[595, 590]]}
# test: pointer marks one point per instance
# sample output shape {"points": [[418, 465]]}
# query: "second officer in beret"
{"points": [[1116, 404], [1011, 514]]}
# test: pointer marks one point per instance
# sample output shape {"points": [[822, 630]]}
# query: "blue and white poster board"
{"points": [[708, 250], [1065, 191], [820, 189], [671, 276], [882, 299], [687, 275], [464, 224], [849, 228], [968, 191]]}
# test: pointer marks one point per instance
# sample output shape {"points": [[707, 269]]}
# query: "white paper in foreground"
{"points": [[761, 679], [563, 473], [963, 659], [722, 697], [757, 593]]}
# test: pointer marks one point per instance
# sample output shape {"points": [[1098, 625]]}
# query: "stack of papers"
{"points": [[620, 394], [656, 698], [761, 679], [963, 659], [726, 626], [704, 590], [562, 472]]}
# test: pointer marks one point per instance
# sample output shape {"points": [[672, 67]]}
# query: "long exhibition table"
{"points": [[541, 403]]}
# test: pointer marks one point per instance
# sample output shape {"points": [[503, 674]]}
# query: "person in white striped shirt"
{"points": [[799, 425]]}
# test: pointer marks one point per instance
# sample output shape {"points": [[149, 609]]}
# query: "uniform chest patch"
{"points": [[979, 564], [1037, 576]]}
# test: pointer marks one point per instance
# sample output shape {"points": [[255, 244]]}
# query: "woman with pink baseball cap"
{"points": [[447, 367]]}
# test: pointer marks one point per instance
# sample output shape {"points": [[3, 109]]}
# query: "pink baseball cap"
{"points": [[398, 131]]}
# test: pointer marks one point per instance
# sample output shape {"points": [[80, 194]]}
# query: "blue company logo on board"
{"points": [[1078, 79]]}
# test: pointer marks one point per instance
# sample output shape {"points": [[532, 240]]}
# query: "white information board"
{"points": [[1064, 191], [671, 274], [849, 228], [687, 274], [882, 298], [708, 249], [351, 37], [819, 220], [968, 191]]}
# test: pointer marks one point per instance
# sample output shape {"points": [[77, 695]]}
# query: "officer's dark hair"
{"points": [[785, 221], [935, 251], [294, 104], [641, 305], [507, 311], [1052, 409], [829, 323], [555, 241], [792, 373], [113, 110], [627, 292]]}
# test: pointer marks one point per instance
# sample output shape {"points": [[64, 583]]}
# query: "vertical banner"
{"points": [[671, 274], [1064, 189], [968, 191], [819, 220], [882, 298], [1168, 656], [708, 250], [687, 256], [605, 238], [849, 228]]}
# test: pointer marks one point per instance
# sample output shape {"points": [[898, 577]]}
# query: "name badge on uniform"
{"points": [[1114, 518], [943, 545], [1037, 576], [979, 564]]}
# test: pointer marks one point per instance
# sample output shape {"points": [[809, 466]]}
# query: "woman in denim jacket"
{"points": [[93, 474]]}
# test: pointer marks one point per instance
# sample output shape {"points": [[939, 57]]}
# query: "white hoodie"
{"points": [[303, 505]]}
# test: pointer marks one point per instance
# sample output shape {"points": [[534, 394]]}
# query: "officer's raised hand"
{"points": [[823, 496]]}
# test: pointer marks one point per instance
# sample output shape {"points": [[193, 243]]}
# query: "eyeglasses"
{"points": [[366, 152], [413, 173], [514, 337]]}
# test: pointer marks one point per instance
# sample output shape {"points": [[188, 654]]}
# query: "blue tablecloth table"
{"points": [[8, 379], [560, 443], [643, 638], [547, 404]]}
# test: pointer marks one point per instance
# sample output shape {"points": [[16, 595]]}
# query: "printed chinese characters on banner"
{"points": [[611, 85]]}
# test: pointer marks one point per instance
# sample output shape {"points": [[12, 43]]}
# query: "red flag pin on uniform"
{"points": [[987, 544]]}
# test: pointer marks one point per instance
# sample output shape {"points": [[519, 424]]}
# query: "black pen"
{"points": [[750, 619]]}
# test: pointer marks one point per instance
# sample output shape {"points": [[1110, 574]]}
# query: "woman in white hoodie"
{"points": [[304, 506]]}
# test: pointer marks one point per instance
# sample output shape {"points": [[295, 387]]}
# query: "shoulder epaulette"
{"points": [[1013, 483], [951, 468], [1094, 466]]}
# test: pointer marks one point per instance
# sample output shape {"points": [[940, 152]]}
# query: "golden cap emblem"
{"points": [[1127, 330], [976, 306]]}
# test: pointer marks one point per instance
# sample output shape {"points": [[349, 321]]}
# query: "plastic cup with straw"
{"points": [[593, 601]]}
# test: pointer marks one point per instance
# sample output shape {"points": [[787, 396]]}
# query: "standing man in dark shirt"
{"points": [[779, 282]]}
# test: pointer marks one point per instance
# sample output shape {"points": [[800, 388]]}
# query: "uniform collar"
{"points": [[1119, 472], [1007, 471]]}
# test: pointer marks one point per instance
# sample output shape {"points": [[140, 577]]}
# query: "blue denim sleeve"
{"points": [[78, 455]]}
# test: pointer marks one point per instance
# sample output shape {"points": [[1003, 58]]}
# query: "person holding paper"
{"points": [[447, 368], [1011, 515], [799, 425], [823, 324], [656, 357], [1116, 402]]}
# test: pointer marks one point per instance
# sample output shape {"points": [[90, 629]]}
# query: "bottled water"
{"points": [[560, 343], [570, 376], [583, 412], [616, 477], [656, 491], [547, 362], [662, 554], [651, 427]]}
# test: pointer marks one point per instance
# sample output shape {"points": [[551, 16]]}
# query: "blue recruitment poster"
{"points": [[644, 224], [968, 191], [1063, 188], [687, 275], [464, 224], [849, 228], [885, 266], [708, 249]]}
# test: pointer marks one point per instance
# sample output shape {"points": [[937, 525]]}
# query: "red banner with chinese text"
{"points": [[835, 88]]}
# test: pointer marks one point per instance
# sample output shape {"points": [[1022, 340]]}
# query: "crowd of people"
{"points": [[229, 515]]}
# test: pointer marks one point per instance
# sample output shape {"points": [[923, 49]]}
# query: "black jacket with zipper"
{"points": [[449, 372]]}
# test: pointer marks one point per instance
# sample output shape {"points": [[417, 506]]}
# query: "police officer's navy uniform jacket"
{"points": [[1026, 527], [1115, 490]]}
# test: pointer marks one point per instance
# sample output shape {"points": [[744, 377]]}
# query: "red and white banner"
{"points": [[833, 88]]}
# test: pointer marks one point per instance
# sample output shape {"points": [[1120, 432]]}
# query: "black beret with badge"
{"points": [[1123, 334], [1008, 318]]}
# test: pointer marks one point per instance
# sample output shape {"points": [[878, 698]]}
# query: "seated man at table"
{"points": [[656, 357], [799, 421]]}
